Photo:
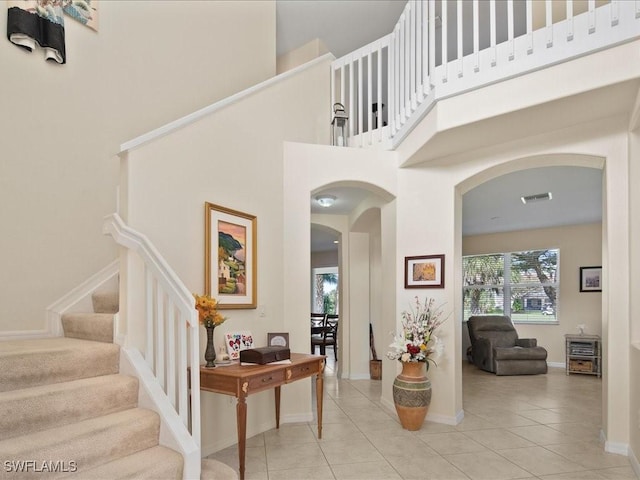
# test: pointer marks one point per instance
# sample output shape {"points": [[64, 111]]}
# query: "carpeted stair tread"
{"points": [[215, 470], [89, 443], [106, 302], [28, 363], [47, 406], [155, 463], [89, 326]]}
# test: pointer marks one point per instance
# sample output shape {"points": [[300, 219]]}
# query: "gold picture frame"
{"points": [[231, 273]]}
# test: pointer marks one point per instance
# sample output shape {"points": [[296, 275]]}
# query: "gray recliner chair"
{"points": [[496, 348]]}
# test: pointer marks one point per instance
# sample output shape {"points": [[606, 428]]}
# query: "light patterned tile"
{"points": [[350, 451], [288, 434], [451, 442], [307, 473], [618, 473], [428, 467], [541, 435], [540, 461], [497, 439], [402, 446], [369, 471], [589, 455], [294, 456], [486, 466]]}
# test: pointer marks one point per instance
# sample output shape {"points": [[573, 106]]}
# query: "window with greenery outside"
{"points": [[523, 285]]}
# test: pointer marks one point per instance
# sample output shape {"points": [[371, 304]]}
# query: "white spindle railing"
{"points": [[425, 61], [172, 336]]}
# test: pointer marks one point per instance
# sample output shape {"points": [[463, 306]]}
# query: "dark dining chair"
{"points": [[325, 335]]}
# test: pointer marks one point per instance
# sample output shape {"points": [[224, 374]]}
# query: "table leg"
{"points": [[319, 387], [241, 419], [277, 391]]}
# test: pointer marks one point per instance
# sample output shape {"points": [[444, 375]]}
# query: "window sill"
{"points": [[536, 323]]}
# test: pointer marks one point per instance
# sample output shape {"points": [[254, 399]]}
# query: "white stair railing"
{"points": [[441, 48], [172, 336]]}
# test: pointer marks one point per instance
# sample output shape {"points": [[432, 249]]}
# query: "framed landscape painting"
{"points": [[426, 271], [230, 257]]}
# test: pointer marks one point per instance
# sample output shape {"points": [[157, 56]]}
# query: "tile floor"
{"points": [[524, 427]]}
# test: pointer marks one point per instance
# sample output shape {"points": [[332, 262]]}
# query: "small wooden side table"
{"points": [[241, 381]]}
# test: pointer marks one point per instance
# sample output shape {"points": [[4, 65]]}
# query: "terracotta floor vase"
{"points": [[412, 395]]}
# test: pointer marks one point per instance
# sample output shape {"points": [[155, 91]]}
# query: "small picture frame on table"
{"points": [[278, 339]]}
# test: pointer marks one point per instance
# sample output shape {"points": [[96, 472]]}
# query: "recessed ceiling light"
{"points": [[538, 197], [336, 241], [325, 200]]}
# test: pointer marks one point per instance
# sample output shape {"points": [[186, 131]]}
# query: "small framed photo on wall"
{"points": [[426, 271], [590, 279]]}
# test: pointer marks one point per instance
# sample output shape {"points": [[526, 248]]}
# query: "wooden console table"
{"points": [[244, 380]]}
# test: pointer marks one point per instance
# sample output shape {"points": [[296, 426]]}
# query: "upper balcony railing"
{"points": [[441, 48]]}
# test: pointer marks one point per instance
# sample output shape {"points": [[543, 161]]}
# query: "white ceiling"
{"points": [[495, 206], [332, 21]]}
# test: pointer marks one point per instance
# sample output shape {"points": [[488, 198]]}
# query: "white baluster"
{"points": [[401, 75], [591, 18], [510, 23], [342, 81], [148, 293], [379, 94], [407, 60], [412, 54], [459, 40], [398, 80], [432, 42], [615, 12], [549, 22], [425, 47], [160, 345], [493, 35], [360, 106], [421, 30], [351, 112], [445, 56], [181, 347], [171, 353], [476, 36], [369, 107], [332, 81], [391, 84], [529, 8], [569, 20]]}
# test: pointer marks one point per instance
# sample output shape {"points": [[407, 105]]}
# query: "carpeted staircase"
{"points": [[65, 411]]}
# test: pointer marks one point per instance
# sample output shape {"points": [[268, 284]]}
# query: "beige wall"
{"points": [[61, 125], [307, 52], [233, 158], [580, 246]]}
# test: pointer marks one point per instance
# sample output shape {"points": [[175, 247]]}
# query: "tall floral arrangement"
{"points": [[208, 311], [417, 342]]}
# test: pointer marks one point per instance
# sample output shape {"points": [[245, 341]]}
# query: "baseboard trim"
{"points": [[614, 447], [445, 419], [557, 364]]}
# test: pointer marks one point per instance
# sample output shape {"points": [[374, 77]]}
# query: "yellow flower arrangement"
{"points": [[208, 311]]}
